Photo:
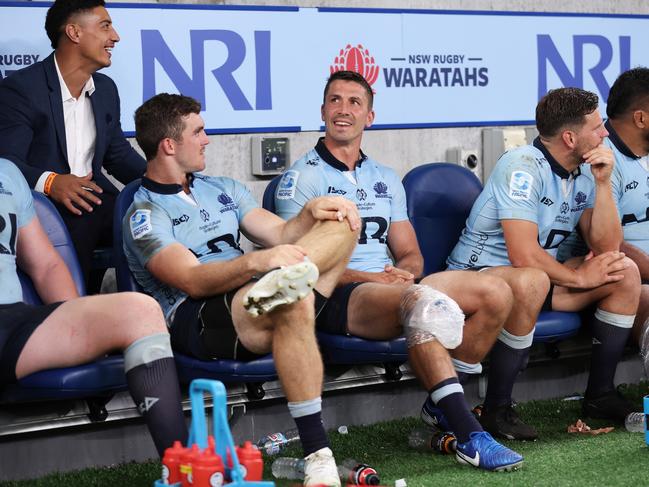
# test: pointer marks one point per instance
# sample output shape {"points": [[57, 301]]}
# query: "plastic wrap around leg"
{"points": [[427, 314]]}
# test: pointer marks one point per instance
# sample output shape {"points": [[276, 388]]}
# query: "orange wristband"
{"points": [[48, 183]]}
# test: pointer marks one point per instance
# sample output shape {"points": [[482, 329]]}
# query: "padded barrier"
{"points": [[189, 368], [440, 196]]}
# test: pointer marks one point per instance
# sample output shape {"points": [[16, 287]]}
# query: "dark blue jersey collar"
{"points": [[162, 188], [330, 159], [618, 142], [557, 168]]}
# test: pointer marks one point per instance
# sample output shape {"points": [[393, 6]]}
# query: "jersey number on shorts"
{"points": [[12, 239], [555, 237], [380, 232]]}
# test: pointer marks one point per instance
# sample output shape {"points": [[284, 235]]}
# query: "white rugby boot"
{"points": [[320, 469], [285, 285]]}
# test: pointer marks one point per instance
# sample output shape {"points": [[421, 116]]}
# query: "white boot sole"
{"points": [[281, 287]]}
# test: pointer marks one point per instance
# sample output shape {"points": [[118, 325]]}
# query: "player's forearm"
{"points": [[413, 263], [558, 273], [351, 275], [605, 232], [217, 277], [638, 256], [297, 226], [53, 282]]}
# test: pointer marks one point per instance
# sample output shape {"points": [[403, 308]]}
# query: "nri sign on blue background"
{"points": [[263, 68]]}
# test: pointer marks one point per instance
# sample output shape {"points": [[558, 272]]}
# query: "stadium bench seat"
{"points": [[440, 197], [96, 382], [352, 350], [253, 373]]}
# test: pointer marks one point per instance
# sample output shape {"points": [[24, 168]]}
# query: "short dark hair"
{"points": [[629, 92], [61, 11], [161, 117], [350, 76], [563, 107]]}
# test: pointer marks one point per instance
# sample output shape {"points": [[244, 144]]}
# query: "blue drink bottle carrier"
{"points": [[225, 447]]}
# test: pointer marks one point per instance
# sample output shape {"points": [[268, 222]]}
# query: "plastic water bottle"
{"points": [[275, 443], [635, 422], [288, 468], [356, 473], [425, 439]]}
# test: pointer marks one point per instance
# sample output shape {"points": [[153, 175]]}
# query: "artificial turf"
{"points": [[556, 459]]}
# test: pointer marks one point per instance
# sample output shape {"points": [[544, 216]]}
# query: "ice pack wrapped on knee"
{"points": [[427, 314]]}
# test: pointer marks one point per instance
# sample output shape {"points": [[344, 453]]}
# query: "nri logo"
{"points": [[358, 59]]}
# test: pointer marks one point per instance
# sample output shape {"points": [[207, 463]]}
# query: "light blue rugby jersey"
{"points": [[630, 182], [527, 184], [16, 210], [161, 214], [376, 190]]}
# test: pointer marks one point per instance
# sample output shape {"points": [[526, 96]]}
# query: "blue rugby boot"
{"points": [[434, 417], [482, 451]]}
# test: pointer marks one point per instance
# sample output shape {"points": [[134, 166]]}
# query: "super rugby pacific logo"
{"points": [[358, 59]]}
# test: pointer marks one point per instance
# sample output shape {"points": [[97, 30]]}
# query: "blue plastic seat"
{"points": [[352, 350], [98, 380], [252, 373], [440, 197]]}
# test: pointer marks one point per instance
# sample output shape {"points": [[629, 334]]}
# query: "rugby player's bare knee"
{"points": [[141, 314], [629, 287], [529, 284], [297, 315], [495, 296]]}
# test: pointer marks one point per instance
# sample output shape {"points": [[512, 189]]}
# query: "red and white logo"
{"points": [[356, 58]]}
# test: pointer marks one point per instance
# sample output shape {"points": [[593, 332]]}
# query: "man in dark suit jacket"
{"points": [[60, 123]]}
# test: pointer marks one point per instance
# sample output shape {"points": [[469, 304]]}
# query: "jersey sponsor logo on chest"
{"points": [[333, 190]]}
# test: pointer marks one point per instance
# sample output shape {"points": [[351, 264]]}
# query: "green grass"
{"points": [[557, 458]]}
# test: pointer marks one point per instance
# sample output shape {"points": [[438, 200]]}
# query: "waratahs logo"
{"points": [[356, 58], [224, 199], [580, 198], [381, 190]]}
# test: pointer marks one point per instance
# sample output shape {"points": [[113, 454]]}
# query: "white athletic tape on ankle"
{"points": [[427, 314]]}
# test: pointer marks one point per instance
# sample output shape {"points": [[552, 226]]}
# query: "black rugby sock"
{"points": [[312, 433], [608, 346], [455, 408], [154, 388], [505, 363]]}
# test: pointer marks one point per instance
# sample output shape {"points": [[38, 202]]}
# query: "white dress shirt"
{"points": [[80, 130]]}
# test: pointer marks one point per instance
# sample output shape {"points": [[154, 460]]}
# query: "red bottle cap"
{"points": [[248, 451], [175, 451]]}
